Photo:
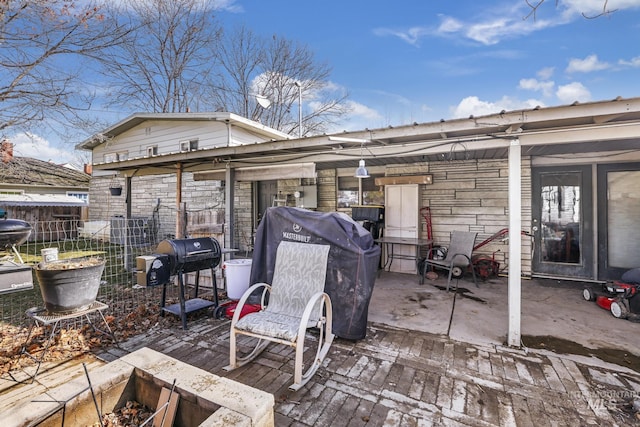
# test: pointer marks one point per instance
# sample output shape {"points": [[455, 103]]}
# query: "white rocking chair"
{"points": [[297, 301]]}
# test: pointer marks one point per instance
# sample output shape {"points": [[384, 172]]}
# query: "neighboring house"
{"points": [[566, 174], [40, 192]]}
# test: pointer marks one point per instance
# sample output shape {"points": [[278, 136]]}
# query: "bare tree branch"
{"points": [[43, 45], [535, 6], [251, 66], [164, 69]]}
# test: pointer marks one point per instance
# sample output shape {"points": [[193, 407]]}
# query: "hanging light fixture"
{"points": [[362, 171]]}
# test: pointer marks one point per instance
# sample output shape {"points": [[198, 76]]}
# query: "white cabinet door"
{"points": [[402, 219]]}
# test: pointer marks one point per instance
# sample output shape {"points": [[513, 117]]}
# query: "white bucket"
{"points": [[49, 255], [237, 272]]}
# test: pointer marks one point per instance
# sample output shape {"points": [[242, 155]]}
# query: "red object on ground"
{"points": [[604, 302], [227, 309], [620, 298]]}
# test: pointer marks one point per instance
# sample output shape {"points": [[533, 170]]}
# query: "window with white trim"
{"points": [[84, 196], [190, 145], [116, 157]]}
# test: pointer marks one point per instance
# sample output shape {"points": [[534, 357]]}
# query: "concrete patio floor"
{"points": [[430, 358], [554, 314]]}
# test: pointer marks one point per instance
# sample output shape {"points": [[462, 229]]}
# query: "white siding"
{"points": [[167, 135]]}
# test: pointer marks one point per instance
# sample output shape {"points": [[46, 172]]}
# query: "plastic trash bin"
{"points": [[237, 272]]}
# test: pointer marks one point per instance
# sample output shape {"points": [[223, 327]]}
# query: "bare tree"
{"points": [[537, 4], [239, 58], [164, 69], [281, 73], [43, 44]]}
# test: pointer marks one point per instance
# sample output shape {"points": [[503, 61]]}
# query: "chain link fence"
{"points": [[119, 241]]}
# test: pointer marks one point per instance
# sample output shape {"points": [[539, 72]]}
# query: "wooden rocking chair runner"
{"points": [[458, 257], [297, 301]]}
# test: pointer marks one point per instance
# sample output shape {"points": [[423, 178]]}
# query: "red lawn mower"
{"points": [[620, 297], [485, 265]]}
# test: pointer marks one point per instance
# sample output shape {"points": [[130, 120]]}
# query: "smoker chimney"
{"points": [[6, 148]]}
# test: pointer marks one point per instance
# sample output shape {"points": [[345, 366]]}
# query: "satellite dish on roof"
{"points": [[263, 101]]}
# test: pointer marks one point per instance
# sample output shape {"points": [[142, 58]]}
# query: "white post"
{"points": [[515, 243]]}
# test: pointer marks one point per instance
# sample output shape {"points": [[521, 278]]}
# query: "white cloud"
{"points": [[546, 87], [411, 35], [450, 25], [545, 73], [504, 22], [473, 106], [37, 147], [485, 29], [572, 92], [362, 111], [593, 8], [586, 65], [633, 62]]}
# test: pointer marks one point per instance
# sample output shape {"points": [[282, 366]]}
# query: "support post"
{"points": [[179, 222], [515, 243], [229, 216]]}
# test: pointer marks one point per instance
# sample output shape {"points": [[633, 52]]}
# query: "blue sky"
{"points": [[426, 60]]}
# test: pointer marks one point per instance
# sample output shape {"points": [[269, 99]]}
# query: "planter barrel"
{"points": [[68, 286]]}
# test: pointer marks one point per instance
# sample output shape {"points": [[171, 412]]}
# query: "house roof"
{"points": [[577, 128], [137, 118], [41, 200], [24, 171]]}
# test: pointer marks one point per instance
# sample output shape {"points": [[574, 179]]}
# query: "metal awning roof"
{"points": [[579, 128], [41, 200]]}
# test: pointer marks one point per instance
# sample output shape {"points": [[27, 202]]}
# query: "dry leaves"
{"points": [[71, 341], [131, 414]]}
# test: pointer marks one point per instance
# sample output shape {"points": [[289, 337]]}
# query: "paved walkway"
{"points": [[399, 377], [429, 358]]}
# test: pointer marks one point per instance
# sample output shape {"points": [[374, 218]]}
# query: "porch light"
{"points": [[362, 171]]}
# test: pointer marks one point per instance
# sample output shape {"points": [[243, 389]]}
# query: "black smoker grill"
{"points": [[186, 256], [14, 276]]}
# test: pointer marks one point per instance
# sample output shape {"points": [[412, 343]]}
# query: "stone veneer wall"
{"points": [[243, 214], [470, 195], [155, 192]]}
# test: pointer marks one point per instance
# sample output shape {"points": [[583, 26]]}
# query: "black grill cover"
{"points": [[188, 255], [352, 266]]}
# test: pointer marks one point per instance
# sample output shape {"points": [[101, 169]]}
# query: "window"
{"points": [[152, 151], [116, 157], [81, 195], [12, 192], [348, 192], [191, 145]]}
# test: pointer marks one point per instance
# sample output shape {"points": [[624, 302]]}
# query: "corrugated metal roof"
{"points": [[40, 200]]}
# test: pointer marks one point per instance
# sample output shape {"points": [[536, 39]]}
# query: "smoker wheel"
{"points": [[456, 272], [219, 312]]}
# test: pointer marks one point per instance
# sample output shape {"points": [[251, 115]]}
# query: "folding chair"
{"points": [[297, 302], [458, 257]]}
